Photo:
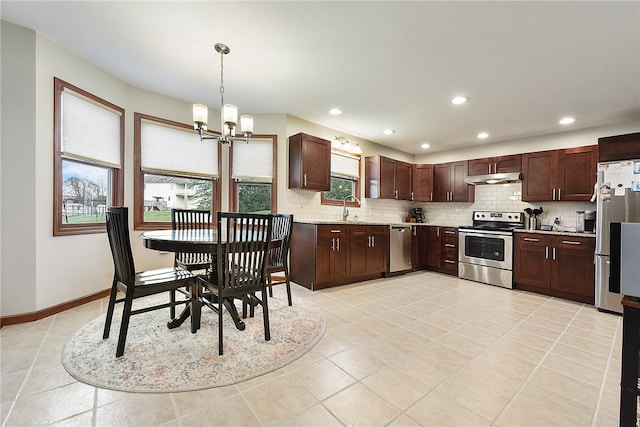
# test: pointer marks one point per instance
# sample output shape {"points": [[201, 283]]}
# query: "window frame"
{"points": [[356, 184], [233, 183], [116, 175], [138, 186]]}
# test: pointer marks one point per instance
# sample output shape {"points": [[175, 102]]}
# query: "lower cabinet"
{"points": [[561, 266], [438, 249], [322, 256]]}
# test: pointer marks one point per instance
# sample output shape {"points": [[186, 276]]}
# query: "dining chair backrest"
{"points": [[118, 233], [243, 242], [190, 219], [280, 230]]}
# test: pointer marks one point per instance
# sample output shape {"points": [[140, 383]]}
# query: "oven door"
{"points": [[487, 248]]}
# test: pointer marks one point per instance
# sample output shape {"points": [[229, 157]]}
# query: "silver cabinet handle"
{"points": [[449, 245], [554, 253], [395, 194], [495, 168], [438, 230], [546, 252], [449, 261], [415, 231], [368, 241], [489, 167], [570, 242], [449, 232], [530, 239], [305, 180], [373, 241], [333, 243], [431, 196], [553, 196], [336, 231], [338, 245], [559, 192], [412, 195]]}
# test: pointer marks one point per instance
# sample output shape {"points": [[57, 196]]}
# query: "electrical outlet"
{"points": [[556, 221]]}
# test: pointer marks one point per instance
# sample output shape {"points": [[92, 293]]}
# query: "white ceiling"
{"points": [[386, 64]]}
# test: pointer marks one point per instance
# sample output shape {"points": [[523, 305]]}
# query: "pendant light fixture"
{"points": [[228, 113]]}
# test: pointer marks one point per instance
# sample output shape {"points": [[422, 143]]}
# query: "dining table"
{"points": [[190, 241]]}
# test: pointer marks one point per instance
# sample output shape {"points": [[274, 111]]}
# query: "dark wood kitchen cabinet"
{"points": [[387, 178], [448, 183], [369, 250], [561, 266], [499, 164], [322, 256], [309, 162], [439, 249], [619, 147], [557, 175], [422, 183]]}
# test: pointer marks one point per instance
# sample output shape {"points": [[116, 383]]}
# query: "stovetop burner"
{"points": [[497, 221]]}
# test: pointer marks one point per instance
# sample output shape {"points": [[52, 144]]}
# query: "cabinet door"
{"points": [[577, 173], [460, 190], [332, 254], [572, 267], [480, 166], [539, 175], [531, 265], [422, 183], [387, 178], [433, 247], [360, 242], [441, 182], [403, 180], [506, 164], [416, 263], [316, 164], [341, 258], [379, 251], [619, 147], [324, 259]]}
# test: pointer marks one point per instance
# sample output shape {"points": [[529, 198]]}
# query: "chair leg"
{"points": [[196, 307], [286, 278], [220, 310], [172, 300], [112, 303], [124, 326], [265, 315], [269, 285]]}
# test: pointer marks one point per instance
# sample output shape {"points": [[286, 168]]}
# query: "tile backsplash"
{"points": [[500, 197]]}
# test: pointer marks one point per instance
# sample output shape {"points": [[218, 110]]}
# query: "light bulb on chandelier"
{"points": [[228, 113]]}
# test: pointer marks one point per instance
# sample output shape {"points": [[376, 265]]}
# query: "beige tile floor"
{"points": [[421, 349]]}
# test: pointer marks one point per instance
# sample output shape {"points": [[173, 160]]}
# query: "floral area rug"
{"points": [[159, 360]]}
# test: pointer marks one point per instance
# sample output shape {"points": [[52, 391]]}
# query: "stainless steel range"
{"points": [[485, 249]]}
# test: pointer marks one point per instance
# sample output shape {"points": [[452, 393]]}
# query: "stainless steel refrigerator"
{"points": [[618, 200]]}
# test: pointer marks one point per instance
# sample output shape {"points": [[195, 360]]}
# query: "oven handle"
{"points": [[485, 233]]}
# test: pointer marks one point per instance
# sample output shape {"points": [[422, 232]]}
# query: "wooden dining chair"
{"points": [[194, 219], [279, 255], [241, 260], [137, 285]]}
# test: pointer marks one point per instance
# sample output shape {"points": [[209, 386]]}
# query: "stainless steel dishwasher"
{"points": [[399, 248]]}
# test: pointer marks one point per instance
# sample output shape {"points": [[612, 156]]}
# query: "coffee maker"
{"points": [[417, 214], [589, 221]]}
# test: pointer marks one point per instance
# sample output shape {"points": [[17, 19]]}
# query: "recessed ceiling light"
{"points": [[335, 111], [389, 131], [459, 100], [567, 120], [425, 146], [483, 135]]}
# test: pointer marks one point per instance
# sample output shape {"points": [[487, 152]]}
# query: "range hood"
{"points": [[494, 178]]}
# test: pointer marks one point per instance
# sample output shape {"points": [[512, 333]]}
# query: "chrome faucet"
{"points": [[345, 211]]}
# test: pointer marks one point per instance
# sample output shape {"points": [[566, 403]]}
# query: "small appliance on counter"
{"points": [[417, 215], [585, 221]]}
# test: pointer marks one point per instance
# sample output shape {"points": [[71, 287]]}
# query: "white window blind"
{"points": [[166, 149], [90, 132], [253, 161], [345, 166]]}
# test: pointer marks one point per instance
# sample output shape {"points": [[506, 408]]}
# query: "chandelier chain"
{"points": [[222, 77]]}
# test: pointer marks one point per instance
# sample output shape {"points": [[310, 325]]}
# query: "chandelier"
{"points": [[228, 113], [342, 143]]}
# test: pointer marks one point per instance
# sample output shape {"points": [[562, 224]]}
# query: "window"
{"points": [[173, 169], [88, 159], [253, 178], [345, 179]]}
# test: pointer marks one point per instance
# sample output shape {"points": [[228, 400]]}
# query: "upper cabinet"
{"points": [[309, 162], [500, 164], [387, 178], [448, 183], [556, 175], [619, 147], [422, 180]]}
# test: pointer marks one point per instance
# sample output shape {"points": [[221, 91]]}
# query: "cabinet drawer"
{"points": [[333, 230], [531, 239], [575, 243]]}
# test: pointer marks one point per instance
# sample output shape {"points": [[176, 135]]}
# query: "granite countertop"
{"points": [[349, 222], [558, 233]]}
